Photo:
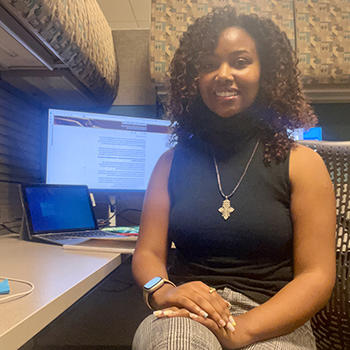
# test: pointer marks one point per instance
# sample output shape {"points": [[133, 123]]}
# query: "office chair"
{"points": [[331, 325]]}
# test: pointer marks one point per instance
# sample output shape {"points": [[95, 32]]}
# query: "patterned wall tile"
{"points": [[323, 41], [170, 19]]}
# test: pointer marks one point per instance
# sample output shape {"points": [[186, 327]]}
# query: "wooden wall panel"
{"points": [[22, 152]]}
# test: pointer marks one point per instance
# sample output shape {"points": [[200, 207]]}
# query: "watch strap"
{"points": [[146, 294]]}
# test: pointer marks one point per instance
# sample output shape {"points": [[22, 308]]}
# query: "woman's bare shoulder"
{"points": [[305, 163], [168, 155], [303, 152], [164, 162], [305, 156]]}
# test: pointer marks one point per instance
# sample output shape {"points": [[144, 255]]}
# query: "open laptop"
{"points": [[59, 214]]}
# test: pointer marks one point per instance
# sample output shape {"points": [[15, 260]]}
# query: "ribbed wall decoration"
{"points": [[78, 33], [22, 130]]}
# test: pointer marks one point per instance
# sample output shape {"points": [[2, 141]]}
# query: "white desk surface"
{"points": [[60, 278]]}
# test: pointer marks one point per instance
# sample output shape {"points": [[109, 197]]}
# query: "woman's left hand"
{"points": [[233, 336]]}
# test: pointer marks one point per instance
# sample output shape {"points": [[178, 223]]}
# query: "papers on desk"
{"points": [[126, 245], [123, 230], [123, 242]]}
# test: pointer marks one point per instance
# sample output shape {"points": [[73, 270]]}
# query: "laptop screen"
{"points": [[58, 208]]}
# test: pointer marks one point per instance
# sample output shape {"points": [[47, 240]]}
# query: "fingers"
{"points": [[181, 312], [231, 324], [220, 305], [212, 325], [168, 312], [199, 299], [175, 312], [214, 305]]}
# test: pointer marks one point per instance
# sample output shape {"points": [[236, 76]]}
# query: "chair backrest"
{"points": [[331, 325]]}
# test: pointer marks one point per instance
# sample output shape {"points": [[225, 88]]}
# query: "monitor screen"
{"points": [[103, 151], [310, 134]]}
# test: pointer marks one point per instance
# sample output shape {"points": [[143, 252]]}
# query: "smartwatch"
{"points": [[151, 286]]}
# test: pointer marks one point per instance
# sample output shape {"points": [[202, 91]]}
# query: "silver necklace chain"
{"points": [[226, 208]]}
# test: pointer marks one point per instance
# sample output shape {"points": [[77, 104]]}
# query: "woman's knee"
{"points": [[173, 333]]}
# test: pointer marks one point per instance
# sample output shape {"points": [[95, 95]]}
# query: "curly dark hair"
{"points": [[281, 105]]}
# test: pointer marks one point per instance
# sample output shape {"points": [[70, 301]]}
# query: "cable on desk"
{"points": [[8, 228], [17, 295], [104, 223]]}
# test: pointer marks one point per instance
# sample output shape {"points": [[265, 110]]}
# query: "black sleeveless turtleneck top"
{"points": [[252, 251]]}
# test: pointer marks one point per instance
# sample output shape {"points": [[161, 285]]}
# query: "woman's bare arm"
{"points": [[150, 254]]}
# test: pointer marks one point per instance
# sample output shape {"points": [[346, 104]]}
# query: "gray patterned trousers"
{"points": [[180, 333]]}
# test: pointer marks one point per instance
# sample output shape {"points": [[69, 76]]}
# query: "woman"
{"points": [[252, 214]]}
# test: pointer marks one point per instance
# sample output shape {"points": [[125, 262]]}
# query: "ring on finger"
{"points": [[212, 290]]}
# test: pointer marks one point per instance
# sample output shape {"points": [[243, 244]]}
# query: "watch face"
{"points": [[152, 283]]}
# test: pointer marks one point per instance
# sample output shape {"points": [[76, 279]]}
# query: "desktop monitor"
{"points": [[103, 151], [314, 133]]}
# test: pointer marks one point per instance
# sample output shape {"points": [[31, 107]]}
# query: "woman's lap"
{"points": [[173, 334], [181, 333]]}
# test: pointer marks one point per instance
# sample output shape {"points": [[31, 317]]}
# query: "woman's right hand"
{"points": [[194, 297]]}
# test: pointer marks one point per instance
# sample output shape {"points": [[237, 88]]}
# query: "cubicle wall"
{"points": [[318, 30], [22, 129]]}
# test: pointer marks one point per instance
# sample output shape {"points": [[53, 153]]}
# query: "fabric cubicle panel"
{"points": [[78, 34], [318, 30], [170, 18], [323, 41]]}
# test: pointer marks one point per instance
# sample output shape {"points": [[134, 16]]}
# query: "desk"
{"points": [[60, 278]]}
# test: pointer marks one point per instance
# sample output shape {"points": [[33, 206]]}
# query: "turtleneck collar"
{"points": [[226, 135]]}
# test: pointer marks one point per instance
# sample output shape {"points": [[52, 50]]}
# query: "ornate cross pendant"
{"points": [[226, 209]]}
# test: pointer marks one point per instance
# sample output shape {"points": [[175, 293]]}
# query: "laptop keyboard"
{"points": [[80, 234]]}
